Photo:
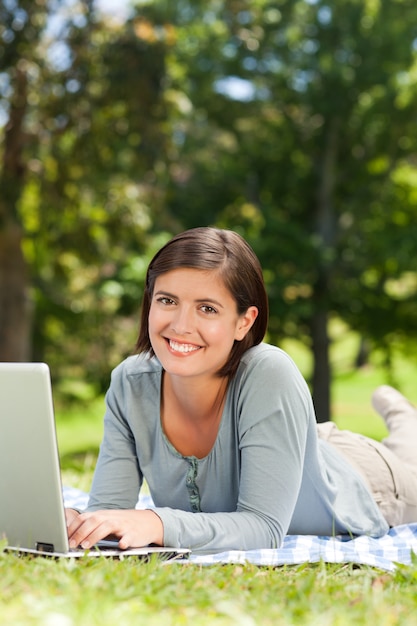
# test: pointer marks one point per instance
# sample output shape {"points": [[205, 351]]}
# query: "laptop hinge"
{"points": [[44, 547]]}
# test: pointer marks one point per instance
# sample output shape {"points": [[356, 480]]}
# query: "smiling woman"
{"points": [[193, 315], [222, 426], [232, 265]]}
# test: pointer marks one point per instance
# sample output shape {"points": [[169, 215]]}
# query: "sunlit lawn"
{"points": [[108, 593]]}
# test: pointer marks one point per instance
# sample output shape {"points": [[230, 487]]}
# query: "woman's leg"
{"points": [[389, 468], [400, 417]]}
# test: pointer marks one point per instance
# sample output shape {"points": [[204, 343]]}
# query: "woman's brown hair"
{"points": [[232, 257]]}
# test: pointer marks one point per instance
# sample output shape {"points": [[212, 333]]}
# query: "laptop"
{"points": [[32, 515]]}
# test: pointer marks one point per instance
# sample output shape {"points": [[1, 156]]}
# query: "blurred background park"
{"points": [[293, 122]]}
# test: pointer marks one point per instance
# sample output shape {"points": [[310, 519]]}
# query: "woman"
{"points": [[222, 426]]}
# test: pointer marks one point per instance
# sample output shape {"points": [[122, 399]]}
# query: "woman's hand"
{"points": [[133, 528]]}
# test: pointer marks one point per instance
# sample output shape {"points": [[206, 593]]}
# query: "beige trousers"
{"points": [[389, 468]]}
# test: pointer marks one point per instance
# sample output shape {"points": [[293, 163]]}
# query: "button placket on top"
{"points": [[192, 487]]}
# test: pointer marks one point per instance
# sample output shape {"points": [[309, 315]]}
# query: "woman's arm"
{"points": [[117, 477]]}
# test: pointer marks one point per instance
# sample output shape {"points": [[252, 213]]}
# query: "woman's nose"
{"points": [[182, 322]]}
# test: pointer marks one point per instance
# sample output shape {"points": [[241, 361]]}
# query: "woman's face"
{"points": [[193, 322]]}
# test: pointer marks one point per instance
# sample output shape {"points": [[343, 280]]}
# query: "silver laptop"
{"points": [[32, 516]]}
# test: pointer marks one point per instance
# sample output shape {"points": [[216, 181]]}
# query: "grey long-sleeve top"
{"points": [[267, 474]]}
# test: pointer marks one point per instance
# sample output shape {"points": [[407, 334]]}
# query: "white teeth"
{"points": [[182, 347]]}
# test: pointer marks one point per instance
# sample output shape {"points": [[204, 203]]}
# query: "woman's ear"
{"points": [[245, 323]]}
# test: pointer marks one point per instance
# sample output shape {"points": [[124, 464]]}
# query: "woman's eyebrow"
{"points": [[211, 301], [165, 293], [162, 292]]}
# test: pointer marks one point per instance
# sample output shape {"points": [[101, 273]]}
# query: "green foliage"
{"points": [[94, 116], [293, 123]]}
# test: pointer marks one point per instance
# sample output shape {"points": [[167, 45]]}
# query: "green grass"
{"points": [[104, 592], [80, 427]]}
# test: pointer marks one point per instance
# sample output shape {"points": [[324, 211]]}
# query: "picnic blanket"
{"points": [[397, 547]]}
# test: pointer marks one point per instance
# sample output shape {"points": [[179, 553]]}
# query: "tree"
{"points": [[20, 26], [84, 136]]}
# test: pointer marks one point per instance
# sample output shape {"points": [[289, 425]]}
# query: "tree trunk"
{"points": [[15, 311], [326, 232], [321, 381], [362, 356]]}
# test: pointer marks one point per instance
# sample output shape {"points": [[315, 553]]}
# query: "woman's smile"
{"points": [[182, 348]]}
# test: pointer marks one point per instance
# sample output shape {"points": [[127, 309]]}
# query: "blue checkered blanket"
{"points": [[397, 547]]}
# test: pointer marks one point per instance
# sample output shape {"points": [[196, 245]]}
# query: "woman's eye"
{"points": [[165, 300], [206, 308]]}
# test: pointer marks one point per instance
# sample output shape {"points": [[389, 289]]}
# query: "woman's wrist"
{"points": [[157, 527]]}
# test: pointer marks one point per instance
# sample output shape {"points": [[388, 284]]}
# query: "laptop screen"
{"points": [[31, 510]]}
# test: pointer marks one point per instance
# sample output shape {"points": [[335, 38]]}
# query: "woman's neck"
{"points": [[191, 414], [198, 399]]}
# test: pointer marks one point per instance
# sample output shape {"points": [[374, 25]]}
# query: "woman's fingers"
{"points": [[133, 528], [89, 528]]}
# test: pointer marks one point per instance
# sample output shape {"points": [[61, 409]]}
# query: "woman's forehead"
{"points": [[199, 281]]}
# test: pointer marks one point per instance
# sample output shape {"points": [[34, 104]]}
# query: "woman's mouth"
{"points": [[183, 348]]}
